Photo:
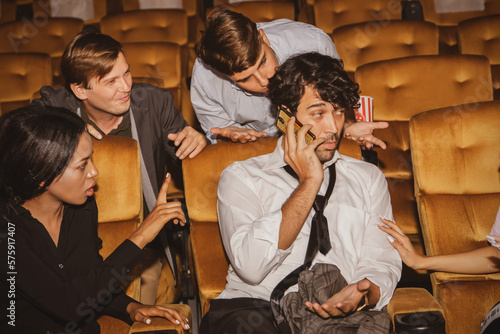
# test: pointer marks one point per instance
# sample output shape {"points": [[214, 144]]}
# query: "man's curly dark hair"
{"points": [[324, 74]]}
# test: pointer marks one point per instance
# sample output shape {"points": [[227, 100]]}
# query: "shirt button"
{"points": [[61, 265]]}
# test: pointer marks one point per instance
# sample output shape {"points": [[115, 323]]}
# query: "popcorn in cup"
{"points": [[365, 111]]}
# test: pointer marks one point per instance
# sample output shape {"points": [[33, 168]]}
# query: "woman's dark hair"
{"points": [[36, 145], [322, 73]]}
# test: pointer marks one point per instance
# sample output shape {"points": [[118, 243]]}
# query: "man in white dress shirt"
{"points": [[265, 214], [236, 58]]}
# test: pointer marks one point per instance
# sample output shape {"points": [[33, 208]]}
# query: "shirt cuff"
{"points": [[127, 256]]}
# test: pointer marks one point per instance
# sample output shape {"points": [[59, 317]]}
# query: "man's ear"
{"points": [[79, 91], [264, 37]]}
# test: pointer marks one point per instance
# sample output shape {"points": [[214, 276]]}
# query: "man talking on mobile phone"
{"points": [[236, 59], [305, 214]]}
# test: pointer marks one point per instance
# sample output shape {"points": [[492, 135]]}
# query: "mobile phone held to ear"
{"points": [[284, 116]]}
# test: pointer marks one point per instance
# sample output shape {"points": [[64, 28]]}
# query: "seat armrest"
{"points": [[415, 307], [162, 325]]}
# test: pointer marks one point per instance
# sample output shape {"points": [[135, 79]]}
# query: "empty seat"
{"points": [[457, 186], [154, 25], [481, 36], [48, 36], [331, 14], [402, 88], [357, 44], [21, 75], [264, 11], [448, 21]]}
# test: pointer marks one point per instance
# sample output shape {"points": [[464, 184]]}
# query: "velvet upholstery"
{"points": [[359, 44], [157, 60], [264, 11], [119, 199], [201, 176], [409, 300], [42, 9], [150, 25], [193, 10], [404, 87], [447, 22], [457, 185], [51, 37], [22, 74], [480, 36], [331, 14]]}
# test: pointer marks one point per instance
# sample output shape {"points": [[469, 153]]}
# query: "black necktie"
{"points": [[319, 239]]}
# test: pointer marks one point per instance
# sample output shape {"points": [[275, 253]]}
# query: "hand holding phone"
{"points": [[284, 116]]}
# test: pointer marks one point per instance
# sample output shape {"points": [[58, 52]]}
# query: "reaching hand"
{"points": [[361, 132], [143, 313], [342, 303], [403, 245], [300, 156], [236, 134], [162, 213], [191, 141]]}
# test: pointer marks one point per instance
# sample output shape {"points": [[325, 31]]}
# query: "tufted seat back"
{"points": [[160, 60], [359, 44], [21, 75], [166, 25], [153, 25], [447, 22], [48, 36], [331, 14], [404, 87], [457, 186], [264, 11], [481, 36]]}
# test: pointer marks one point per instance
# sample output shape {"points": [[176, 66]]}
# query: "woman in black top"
{"points": [[54, 278]]}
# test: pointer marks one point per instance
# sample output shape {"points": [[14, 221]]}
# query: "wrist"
{"points": [[373, 295], [132, 307], [138, 239], [423, 262]]}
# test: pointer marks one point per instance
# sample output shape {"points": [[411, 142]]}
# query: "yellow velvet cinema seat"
{"points": [[402, 88], [119, 199], [482, 36], [358, 44], [194, 10], [152, 25], [447, 22], [331, 14], [457, 185], [201, 176], [51, 35], [156, 60], [21, 75], [150, 61], [264, 11]]}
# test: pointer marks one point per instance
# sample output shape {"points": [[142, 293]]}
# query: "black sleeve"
{"points": [[58, 294]]}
